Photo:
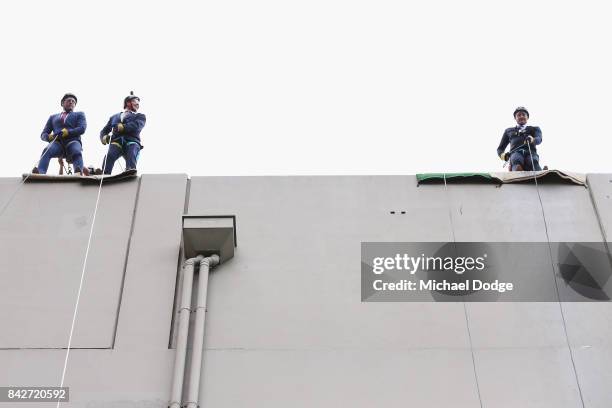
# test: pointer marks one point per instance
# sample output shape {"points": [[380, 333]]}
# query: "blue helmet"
{"points": [[520, 109], [128, 98], [68, 95]]}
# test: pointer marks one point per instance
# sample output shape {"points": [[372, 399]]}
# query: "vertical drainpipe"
{"points": [[198, 337], [183, 329]]}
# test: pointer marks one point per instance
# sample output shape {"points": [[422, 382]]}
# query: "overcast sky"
{"points": [[313, 87]]}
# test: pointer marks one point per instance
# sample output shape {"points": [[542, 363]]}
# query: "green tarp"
{"points": [[502, 178], [432, 178]]}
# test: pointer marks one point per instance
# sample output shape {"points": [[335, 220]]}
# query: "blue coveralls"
{"points": [[69, 146], [516, 136], [125, 143]]}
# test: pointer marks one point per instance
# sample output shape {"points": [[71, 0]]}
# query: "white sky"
{"points": [[313, 87]]}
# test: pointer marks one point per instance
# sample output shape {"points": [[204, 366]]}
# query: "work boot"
{"points": [[35, 170], [98, 172]]}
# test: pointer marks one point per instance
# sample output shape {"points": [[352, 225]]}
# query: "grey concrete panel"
{"points": [[295, 278], [589, 324], [44, 235], [96, 378], [526, 378], [507, 325], [338, 378], [285, 325], [569, 214], [600, 186], [513, 213], [146, 309], [594, 371], [8, 188], [322, 203], [487, 213]]}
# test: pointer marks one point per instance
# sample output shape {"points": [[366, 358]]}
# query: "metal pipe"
{"points": [[198, 336], [183, 329]]}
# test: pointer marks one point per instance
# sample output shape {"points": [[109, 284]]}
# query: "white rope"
{"points": [[76, 306], [552, 262], [13, 196], [465, 313], [25, 178], [74, 315]]}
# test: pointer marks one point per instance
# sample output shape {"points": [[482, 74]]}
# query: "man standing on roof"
{"points": [[63, 132], [523, 140], [123, 133]]}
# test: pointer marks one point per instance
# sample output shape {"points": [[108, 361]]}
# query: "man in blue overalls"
{"points": [[123, 133], [63, 132], [518, 137]]}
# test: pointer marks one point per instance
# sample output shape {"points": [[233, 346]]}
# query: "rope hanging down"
{"points": [[552, 263], [24, 180], [2, 211], [78, 298], [465, 312]]}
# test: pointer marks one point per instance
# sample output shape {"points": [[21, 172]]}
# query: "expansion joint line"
{"points": [[78, 298], [467, 323], [552, 263]]}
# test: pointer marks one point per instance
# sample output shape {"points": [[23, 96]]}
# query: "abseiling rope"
{"points": [[24, 179], [84, 261], [76, 306], [465, 313], [552, 263]]}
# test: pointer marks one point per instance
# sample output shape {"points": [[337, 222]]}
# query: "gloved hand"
{"points": [[64, 132], [504, 156], [529, 139], [50, 136], [119, 128], [106, 139]]}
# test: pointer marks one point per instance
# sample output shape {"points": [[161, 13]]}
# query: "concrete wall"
{"points": [[285, 324], [125, 314]]}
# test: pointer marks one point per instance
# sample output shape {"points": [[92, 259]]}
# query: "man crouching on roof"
{"points": [[63, 132], [521, 154], [123, 133]]}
